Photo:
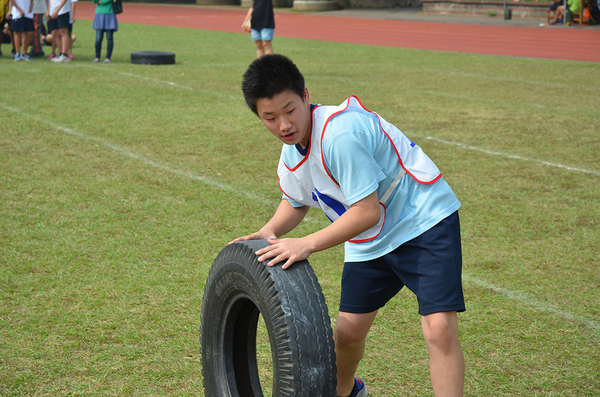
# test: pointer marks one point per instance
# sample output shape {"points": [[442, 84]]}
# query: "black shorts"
{"points": [[52, 25], [62, 21], [430, 265], [21, 25]]}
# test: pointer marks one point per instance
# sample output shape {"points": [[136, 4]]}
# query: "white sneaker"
{"points": [[60, 58]]}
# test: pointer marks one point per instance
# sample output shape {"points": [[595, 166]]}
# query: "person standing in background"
{"points": [[40, 8], [60, 16], [262, 22], [73, 37], [105, 21], [22, 27]]}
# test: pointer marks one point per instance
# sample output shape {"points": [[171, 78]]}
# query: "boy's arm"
{"points": [[55, 13], [248, 15], [285, 219], [361, 216], [13, 4]]}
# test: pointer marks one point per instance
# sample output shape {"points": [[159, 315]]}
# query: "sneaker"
{"points": [[61, 58], [71, 57], [52, 56], [360, 389], [26, 57], [107, 60], [18, 58]]}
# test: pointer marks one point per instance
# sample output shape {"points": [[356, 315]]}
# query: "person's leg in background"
{"points": [[109, 44], [98, 44]]}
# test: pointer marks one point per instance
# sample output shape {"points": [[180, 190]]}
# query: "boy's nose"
{"points": [[284, 125]]}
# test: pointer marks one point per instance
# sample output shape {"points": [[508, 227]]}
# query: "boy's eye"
{"points": [[291, 111]]}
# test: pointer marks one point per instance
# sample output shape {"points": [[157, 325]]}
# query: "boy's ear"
{"points": [[306, 95]]}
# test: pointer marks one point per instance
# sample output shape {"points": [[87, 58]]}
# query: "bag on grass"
{"points": [[117, 6]]}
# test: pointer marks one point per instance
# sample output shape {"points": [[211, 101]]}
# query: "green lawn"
{"points": [[120, 183]]}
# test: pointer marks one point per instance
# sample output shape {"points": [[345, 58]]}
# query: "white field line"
{"points": [[513, 295], [163, 82], [506, 155], [135, 156], [510, 80], [479, 99], [457, 144], [532, 302]]}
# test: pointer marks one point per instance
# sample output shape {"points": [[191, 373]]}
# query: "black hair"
{"points": [[270, 75]]}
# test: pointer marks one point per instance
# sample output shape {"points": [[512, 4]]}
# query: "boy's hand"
{"points": [[292, 249], [55, 14], [260, 235]]}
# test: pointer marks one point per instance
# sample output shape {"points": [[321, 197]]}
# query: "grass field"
{"points": [[120, 183]]}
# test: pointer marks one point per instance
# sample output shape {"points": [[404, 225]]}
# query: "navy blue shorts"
{"points": [[429, 265], [63, 20], [21, 25], [52, 25]]}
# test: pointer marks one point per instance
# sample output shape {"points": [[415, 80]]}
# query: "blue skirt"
{"points": [[106, 22]]}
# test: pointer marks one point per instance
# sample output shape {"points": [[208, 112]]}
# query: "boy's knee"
{"points": [[440, 331], [346, 336], [352, 329]]}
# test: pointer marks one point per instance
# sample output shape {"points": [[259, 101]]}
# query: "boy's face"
{"points": [[287, 116]]}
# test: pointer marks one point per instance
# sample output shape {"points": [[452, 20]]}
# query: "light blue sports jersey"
{"points": [[361, 159]]}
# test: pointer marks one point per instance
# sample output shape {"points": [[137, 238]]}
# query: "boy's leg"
{"points": [[446, 360], [350, 333], [99, 36], [36, 43], [55, 41], [70, 49], [109, 43], [65, 38], [268, 47], [27, 36], [17, 36], [260, 50]]}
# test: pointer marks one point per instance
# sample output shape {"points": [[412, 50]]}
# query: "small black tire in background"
{"points": [[291, 302], [152, 58]]}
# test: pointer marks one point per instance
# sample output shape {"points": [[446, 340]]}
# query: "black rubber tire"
{"points": [[296, 317], [152, 58]]}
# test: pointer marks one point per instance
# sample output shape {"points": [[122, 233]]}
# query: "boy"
{"points": [[40, 8], [60, 18], [71, 35], [5, 35], [22, 27], [387, 201], [262, 23]]}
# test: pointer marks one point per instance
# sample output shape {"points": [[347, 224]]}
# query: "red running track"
{"points": [[569, 44]]}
